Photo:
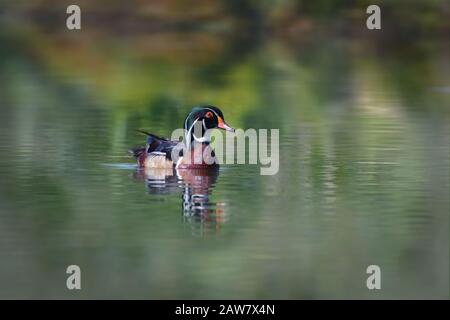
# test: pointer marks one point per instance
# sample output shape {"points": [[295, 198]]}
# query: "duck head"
{"points": [[201, 119]]}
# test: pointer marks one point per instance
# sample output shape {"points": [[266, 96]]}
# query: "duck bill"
{"points": [[224, 126]]}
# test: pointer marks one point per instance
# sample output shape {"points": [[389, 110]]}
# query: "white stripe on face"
{"points": [[201, 139], [188, 133]]}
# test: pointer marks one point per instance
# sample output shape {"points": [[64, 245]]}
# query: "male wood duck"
{"points": [[195, 151]]}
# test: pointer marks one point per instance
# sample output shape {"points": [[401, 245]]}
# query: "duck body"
{"points": [[198, 157], [194, 152]]}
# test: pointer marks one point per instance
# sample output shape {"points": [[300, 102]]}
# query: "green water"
{"points": [[363, 178]]}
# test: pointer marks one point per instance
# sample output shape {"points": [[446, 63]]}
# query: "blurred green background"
{"points": [[364, 149]]}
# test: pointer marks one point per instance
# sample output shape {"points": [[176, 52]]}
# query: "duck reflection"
{"points": [[196, 187]]}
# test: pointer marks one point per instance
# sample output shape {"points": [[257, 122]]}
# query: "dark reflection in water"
{"points": [[195, 187]]}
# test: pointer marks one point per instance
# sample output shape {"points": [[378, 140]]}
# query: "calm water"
{"points": [[363, 179]]}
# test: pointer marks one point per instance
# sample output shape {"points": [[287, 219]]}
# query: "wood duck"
{"points": [[194, 153]]}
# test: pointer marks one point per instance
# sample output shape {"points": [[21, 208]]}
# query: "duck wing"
{"points": [[155, 145]]}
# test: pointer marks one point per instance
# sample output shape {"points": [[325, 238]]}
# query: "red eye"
{"points": [[209, 115]]}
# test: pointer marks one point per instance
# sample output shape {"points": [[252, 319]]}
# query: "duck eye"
{"points": [[209, 115]]}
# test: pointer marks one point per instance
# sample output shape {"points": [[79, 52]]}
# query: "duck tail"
{"points": [[137, 152], [148, 134]]}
